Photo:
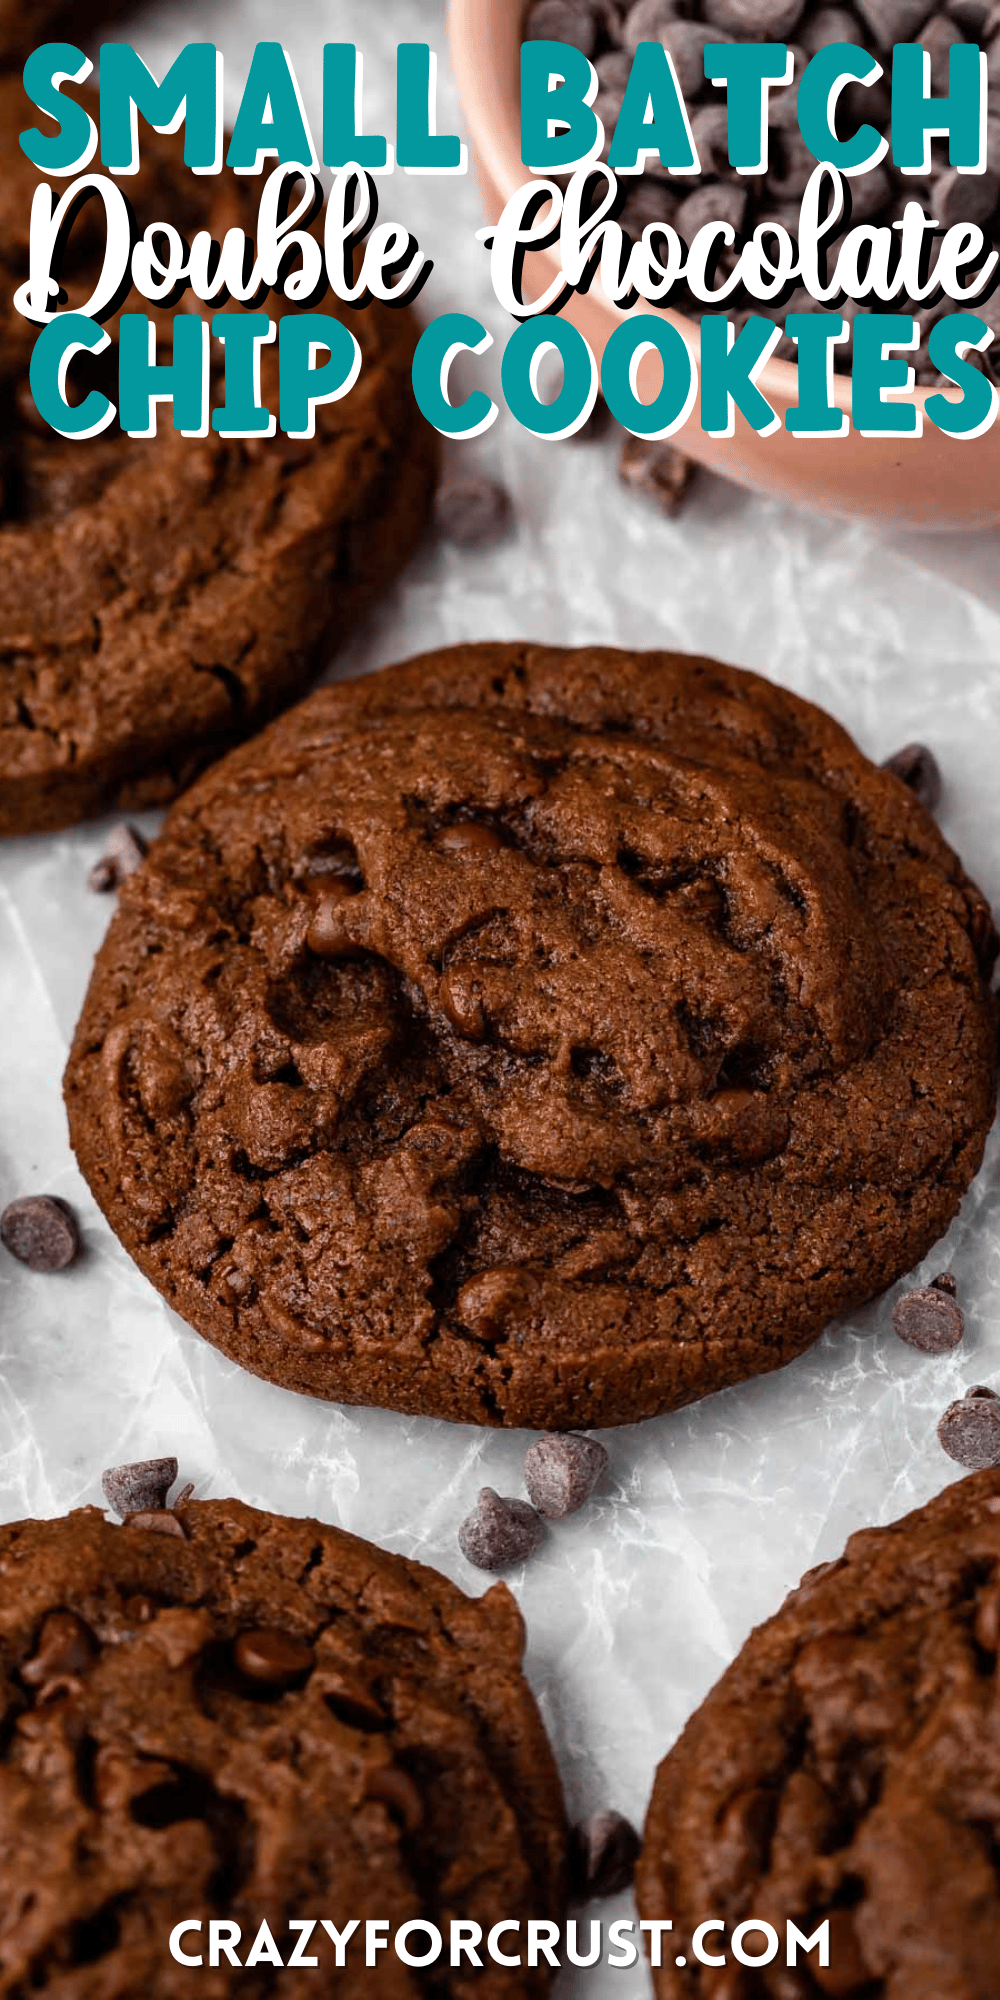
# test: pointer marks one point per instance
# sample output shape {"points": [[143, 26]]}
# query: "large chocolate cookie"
{"points": [[263, 1720], [847, 1767], [537, 1037], [160, 599]]}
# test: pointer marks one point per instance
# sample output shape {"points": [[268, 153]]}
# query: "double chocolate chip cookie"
{"points": [[537, 1037], [161, 598], [847, 1770], [261, 1720]]}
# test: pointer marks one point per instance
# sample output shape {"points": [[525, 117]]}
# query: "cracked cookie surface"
{"points": [[536, 1037], [161, 598], [259, 1719], [847, 1768]]}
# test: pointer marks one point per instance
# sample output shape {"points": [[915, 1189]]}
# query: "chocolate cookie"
{"points": [[25, 24], [847, 1767], [537, 1037], [257, 1719], [160, 598]]}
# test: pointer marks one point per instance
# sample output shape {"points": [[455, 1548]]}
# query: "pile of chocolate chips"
{"points": [[609, 33]]}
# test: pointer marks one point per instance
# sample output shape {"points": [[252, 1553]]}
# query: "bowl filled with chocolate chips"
{"points": [[892, 219]]}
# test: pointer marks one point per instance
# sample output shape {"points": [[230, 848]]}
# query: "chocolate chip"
{"points": [[659, 472], [685, 43], [928, 1319], [139, 1488], [461, 992], [647, 20], [959, 197], [472, 512], [500, 1532], [971, 15], [156, 1521], [571, 21], [40, 1230], [396, 1791], [944, 1282], [826, 25], [969, 1431], [760, 20], [560, 1473], [66, 1646], [603, 1855], [648, 201], [894, 21], [714, 202], [918, 768], [272, 1658], [125, 851], [330, 934], [938, 37], [185, 1494]]}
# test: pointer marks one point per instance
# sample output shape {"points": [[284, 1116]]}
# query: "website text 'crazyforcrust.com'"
{"points": [[420, 1943]]}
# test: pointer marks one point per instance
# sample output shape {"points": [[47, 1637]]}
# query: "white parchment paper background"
{"points": [[709, 1516]]}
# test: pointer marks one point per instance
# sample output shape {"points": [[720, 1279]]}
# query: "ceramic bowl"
{"points": [[927, 482]]}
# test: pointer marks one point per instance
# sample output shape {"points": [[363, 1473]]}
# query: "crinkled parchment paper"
{"points": [[636, 1605]]}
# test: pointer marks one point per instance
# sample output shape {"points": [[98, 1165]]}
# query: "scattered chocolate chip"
{"points": [[472, 512], [125, 851], [66, 1646], [944, 1282], [139, 1488], [894, 21], [40, 1230], [611, 35], [918, 768], [572, 21], [930, 1319], [764, 20], [646, 20], [500, 1532], [829, 24], [560, 1473], [969, 1431], [396, 1791], [156, 1522], [272, 1658], [658, 471], [603, 1855], [713, 202], [953, 200]]}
